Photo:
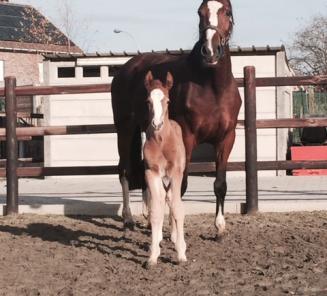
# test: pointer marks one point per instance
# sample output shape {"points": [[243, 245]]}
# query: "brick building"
{"points": [[25, 35]]}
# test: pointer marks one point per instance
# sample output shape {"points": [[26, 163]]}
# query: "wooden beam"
{"points": [[61, 130], [287, 123]]}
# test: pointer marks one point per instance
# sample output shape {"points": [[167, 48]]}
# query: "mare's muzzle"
{"points": [[212, 58]]}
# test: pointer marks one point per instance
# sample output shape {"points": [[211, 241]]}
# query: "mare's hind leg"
{"points": [[223, 150], [189, 143], [126, 213], [124, 147]]}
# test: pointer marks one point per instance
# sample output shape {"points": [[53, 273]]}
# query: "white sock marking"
{"points": [[220, 221]]}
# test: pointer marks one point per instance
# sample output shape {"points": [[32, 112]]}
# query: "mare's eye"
{"points": [[229, 13]]}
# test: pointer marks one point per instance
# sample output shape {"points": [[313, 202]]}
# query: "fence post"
{"points": [[11, 146], [250, 140]]}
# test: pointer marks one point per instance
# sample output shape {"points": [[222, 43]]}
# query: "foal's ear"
{"points": [[148, 79], [169, 80]]}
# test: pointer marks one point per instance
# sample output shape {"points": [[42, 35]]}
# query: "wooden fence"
{"points": [[12, 172]]}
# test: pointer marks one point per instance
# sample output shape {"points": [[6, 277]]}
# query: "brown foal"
{"points": [[164, 156]]}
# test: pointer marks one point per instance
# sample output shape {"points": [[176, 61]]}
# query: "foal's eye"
{"points": [[228, 13]]}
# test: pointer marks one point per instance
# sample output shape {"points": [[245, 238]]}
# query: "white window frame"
{"points": [[2, 66]]}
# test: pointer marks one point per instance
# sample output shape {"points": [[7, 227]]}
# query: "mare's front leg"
{"points": [[157, 211], [223, 150]]}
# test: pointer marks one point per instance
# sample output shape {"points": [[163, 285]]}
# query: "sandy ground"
{"points": [[267, 254]]}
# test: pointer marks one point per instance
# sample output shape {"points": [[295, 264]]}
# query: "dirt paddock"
{"points": [[267, 254]]}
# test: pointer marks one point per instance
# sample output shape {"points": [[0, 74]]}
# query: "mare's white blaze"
{"points": [[220, 221], [157, 96], [213, 7]]}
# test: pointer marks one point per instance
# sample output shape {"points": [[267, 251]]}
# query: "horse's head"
{"points": [[158, 99], [216, 25]]}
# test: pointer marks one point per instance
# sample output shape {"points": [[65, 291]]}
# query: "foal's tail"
{"points": [[136, 175]]}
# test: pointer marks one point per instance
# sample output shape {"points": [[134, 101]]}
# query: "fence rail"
{"points": [[11, 134]]}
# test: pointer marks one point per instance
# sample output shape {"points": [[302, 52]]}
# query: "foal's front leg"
{"points": [[177, 219], [157, 211]]}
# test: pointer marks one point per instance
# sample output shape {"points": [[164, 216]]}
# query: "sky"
{"points": [[160, 24]]}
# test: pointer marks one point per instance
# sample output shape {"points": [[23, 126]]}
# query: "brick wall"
{"points": [[25, 66]]}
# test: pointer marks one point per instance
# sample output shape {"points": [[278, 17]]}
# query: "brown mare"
{"points": [[164, 159], [204, 101]]}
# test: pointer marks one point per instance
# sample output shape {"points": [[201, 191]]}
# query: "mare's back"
{"points": [[131, 75]]}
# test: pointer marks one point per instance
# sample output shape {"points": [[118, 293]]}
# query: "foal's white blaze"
{"points": [[213, 7], [157, 96], [220, 221]]}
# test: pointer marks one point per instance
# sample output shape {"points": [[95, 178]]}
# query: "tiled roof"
{"points": [[23, 23], [254, 50]]}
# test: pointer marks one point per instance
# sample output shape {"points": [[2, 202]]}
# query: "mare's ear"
{"points": [[148, 79], [169, 80]]}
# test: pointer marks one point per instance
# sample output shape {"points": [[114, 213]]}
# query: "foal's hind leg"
{"points": [[223, 150]]}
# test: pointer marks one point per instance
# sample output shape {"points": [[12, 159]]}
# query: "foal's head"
{"points": [[158, 99], [216, 25]]}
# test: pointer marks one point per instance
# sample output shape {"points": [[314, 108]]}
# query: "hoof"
{"points": [[129, 225], [149, 265], [181, 261]]}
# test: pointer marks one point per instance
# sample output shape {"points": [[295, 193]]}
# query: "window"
{"points": [[113, 70], [66, 72], [1, 70], [92, 71]]}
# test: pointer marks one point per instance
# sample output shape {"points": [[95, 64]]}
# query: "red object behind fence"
{"points": [[309, 153]]}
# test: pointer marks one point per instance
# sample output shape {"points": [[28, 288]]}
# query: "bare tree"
{"points": [[308, 53], [67, 20], [73, 27]]}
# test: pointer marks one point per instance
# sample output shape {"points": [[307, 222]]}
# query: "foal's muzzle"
{"points": [[156, 126]]}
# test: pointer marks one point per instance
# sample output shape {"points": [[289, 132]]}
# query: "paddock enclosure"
{"points": [[265, 254], [251, 165]]}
